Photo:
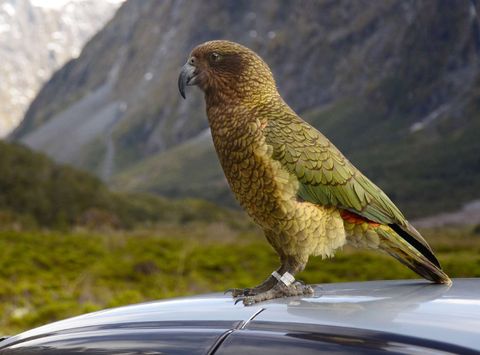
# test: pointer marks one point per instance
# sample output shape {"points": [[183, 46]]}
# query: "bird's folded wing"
{"points": [[326, 177]]}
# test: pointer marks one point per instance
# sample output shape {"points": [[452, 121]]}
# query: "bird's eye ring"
{"points": [[215, 57]]}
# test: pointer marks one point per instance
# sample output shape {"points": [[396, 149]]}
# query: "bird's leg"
{"points": [[285, 284], [265, 285]]}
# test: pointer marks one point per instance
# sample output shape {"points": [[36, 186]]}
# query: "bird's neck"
{"points": [[243, 91], [234, 111]]}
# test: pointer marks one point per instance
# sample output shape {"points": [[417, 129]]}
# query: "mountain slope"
{"points": [[394, 84], [36, 38], [188, 169]]}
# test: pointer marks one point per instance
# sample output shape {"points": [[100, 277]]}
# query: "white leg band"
{"points": [[287, 278]]}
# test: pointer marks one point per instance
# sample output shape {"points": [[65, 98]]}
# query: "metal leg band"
{"points": [[287, 278]]}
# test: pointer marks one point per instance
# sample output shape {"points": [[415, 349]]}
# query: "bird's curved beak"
{"points": [[186, 78]]}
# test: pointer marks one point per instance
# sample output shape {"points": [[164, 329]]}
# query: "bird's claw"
{"points": [[240, 299], [246, 300]]}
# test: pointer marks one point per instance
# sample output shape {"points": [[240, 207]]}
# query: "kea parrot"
{"points": [[290, 179]]}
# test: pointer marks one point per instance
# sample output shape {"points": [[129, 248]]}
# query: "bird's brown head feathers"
{"points": [[227, 71]]}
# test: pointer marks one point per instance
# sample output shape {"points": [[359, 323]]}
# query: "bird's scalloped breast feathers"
{"points": [[326, 177]]}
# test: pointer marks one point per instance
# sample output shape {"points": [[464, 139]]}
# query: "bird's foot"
{"points": [[241, 292], [278, 291], [251, 291]]}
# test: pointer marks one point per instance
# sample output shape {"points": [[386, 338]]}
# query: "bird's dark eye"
{"points": [[215, 57]]}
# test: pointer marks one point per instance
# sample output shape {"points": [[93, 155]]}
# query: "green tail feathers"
{"points": [[416, 255]]}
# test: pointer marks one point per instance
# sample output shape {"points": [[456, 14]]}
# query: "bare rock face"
{"points": [[36, 38], [395, 84]]}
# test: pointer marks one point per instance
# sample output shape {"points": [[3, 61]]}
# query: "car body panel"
{"points": [[411, 308], [291, 339], [380, 316], [122, 341]]}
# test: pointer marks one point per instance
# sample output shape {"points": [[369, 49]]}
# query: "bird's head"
{"points": [[226, 70]]}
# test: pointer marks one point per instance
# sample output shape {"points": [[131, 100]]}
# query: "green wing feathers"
{"points": [[326, 177]]}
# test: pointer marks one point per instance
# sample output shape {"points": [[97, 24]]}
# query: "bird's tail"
{"points": [[407, 246]]}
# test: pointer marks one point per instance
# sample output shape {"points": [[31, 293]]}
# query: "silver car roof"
{"points": [[449, 314]]}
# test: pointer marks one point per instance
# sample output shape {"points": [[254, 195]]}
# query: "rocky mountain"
{"points": [[395, 84], [36, 38]]}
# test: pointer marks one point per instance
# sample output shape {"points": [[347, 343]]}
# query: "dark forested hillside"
{"points": [[395, 84], [36, 192]]}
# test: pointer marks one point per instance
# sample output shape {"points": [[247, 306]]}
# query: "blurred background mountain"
{"points": [[36, 38], [395, 84]]}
